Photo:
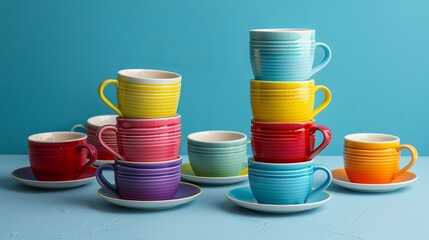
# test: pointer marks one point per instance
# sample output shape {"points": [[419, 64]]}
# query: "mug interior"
{"points": [[371, 138], [148, 74], [102, 120], [216, 136], [57, 137]]}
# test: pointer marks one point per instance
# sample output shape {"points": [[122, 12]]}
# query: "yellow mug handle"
{"points": [[325, 102], [104, 99], [414, 156]]}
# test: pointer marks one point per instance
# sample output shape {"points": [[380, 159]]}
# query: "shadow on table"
{"points": [[7, 183], [232, 208]]}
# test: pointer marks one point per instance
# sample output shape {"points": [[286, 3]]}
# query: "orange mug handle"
{"points": [[414, 156]]}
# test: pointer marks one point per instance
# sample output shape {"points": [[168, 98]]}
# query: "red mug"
{"points": [[145, 140], [60, 156], [287, 142]]}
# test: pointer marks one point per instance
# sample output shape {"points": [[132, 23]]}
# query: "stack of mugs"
{"points": [[148, 134], [283, 129]]}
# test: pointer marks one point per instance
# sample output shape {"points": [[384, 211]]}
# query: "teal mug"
{"points": [[288, 183], [285, 54]]}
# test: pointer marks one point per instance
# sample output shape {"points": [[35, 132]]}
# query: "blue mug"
{"points": [[289, 183], [285, 54]]}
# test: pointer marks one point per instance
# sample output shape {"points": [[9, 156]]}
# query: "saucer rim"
{"points": [[214, 180], [153, 201], [374, 187], [49, 182], [277, 208]]}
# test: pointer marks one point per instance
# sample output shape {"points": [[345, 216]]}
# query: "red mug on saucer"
{"points": [[60, 156]]}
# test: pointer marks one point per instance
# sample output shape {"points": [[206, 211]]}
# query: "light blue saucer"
{"points": [[243, 197]]}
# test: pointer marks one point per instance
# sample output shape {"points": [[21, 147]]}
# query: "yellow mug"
{"points": [[144, 93], [374, 158], [286, 101]]}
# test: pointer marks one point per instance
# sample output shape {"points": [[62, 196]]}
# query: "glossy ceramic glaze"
{"points": [[375, 158], [226, 164], [286, 101], [25, 176], [143, 93], [60, 156], [143, 140], [243, 197], [340, 178], [285, 54], [135, 184], [294, 187], [294, 143], [151, 165], [185, 194]]}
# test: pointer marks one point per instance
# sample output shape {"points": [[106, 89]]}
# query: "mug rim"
{"points": [[252, 159], [90, 121], [383, 138], [35, 137], [192, 136], [282, 30], [132, 75]]}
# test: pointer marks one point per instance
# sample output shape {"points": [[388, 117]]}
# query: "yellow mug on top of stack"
{"points": [[144, 93], [281, 101]]}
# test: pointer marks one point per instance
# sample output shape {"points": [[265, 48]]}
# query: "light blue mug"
{"points": [[285, 54], [289, 183]]}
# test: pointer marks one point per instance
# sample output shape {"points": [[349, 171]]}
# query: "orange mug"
{"points": [[375, 158]]}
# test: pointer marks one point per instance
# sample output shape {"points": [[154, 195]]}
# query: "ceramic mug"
{"points": [[217, 153], [285, 54], [287, 142], [137, 143], [60, 156], [91, 128], [286, 101], [144, 93], [285, 183], [374, 158], [143, 182]]}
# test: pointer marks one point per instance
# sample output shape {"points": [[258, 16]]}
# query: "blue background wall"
{"points": [[54, 54]]}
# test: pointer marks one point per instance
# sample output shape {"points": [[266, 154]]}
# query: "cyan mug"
{"points": [[289, 183], [285, 54]]}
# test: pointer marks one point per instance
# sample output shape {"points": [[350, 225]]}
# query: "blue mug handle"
{"points": [[103, 181], [326, 59], [324, 185], [73, 129]]}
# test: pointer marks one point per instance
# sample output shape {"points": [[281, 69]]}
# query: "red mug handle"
{"points": [[327, 136], [91, 154], [107, 147]]}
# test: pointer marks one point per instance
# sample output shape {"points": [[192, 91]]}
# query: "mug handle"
{"points": [[414, 156], [327, 136], [324, 185], [103, 181], [326, 59], [91, 154], [73, 129], [104, 99], [325, 102], [107, 147]]}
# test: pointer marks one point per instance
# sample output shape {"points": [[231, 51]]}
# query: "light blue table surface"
{"points": [[30, 213]]}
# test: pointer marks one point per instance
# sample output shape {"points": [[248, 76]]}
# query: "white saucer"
{"points": [[186, 193], [339, 177], [99, 162], [189, 175], [243, 197], [25, 175]]}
